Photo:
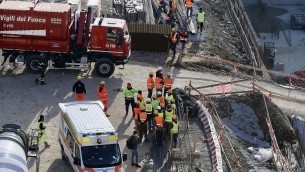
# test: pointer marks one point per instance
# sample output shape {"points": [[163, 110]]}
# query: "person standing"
{"points": [[168, 81], [200, 19], [159, 83], [42, 131], [168, 120], [142, 124], [79, 89], [160, 98], [103, 96], [134, 155], [129, 97], [189, 8], [169, 97], [137, 111], [183, 38], [174, 131], [155, 102], [173, 41], [41, 70], [140, 100], [149, 112], [158, 127], [150, 84], [159, 71]]}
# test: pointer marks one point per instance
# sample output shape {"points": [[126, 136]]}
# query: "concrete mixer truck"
{"points": [[15, 147]]}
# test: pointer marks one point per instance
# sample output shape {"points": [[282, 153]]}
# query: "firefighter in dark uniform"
{"points": [[41, 69]]}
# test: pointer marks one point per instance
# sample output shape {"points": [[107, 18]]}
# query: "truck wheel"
{"points": [[32, 63], [104, 67]]}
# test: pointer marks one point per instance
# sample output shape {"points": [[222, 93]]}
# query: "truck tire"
{"points": [[104, 67], [32, 63]]}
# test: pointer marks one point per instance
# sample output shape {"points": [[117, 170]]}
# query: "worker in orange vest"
{"points": [[79, 89], [142, 124], [168, 81], [174, 38], [159, 83], [158, 128], [150, 84], [160, 98], [183, 38], [189, 8], [141, 94], [102, 95], [136, 111]]}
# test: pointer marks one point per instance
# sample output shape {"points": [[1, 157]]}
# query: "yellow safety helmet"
{"points": [[169, 74], [102, 83], [142, 108], [154, 96], [170, 91], [139, 96], [79, 77], [172, 100], [174, 117], [151, 72], [156, 112]]}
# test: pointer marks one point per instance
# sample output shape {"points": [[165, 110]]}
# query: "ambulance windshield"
{"points": [[101, 156]]}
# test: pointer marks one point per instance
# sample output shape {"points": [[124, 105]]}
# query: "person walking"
{"points": [[183, 38], [158, 127], [168, 81], [42, 131], [150, 84], [134, 154], [129, 97], [173, 41], [174, 131], [41, 70], [79, 88], [102, 95], [200, 20], [189, 8], [142, 124], [149, 112]]}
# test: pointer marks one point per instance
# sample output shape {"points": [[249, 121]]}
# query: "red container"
{"points": [[35, 27]]}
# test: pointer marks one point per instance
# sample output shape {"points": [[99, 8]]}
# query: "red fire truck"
{"points": [[47, 33]]}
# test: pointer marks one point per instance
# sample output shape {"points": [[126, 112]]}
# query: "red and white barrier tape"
{"points": [[212, 137]]}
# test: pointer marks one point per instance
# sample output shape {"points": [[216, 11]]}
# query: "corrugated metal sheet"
{"points": [[92, 119], [151, 37]]}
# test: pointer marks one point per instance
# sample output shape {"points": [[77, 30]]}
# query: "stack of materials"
{"points": [[75, 5], [134, 10], [118, 5], [95, 6]]}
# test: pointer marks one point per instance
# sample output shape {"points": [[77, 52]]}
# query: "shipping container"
{"points": [[35, 27]]}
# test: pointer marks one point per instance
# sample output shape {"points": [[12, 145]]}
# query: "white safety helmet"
{"points": [[159, 93], [148, 100], [159, 68], [158, 107]]}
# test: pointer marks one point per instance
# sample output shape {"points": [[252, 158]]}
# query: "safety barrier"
{"points": [[212, 137]]}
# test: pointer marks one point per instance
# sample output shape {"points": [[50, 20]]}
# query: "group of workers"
{"points": [[156, 113]]}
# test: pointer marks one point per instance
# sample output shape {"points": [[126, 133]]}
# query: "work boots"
{"points": [[46, 144], [42, 83], [36, 81]]}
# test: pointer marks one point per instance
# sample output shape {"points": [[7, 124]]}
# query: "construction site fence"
{"points": [[282, 158], [247, 34]]}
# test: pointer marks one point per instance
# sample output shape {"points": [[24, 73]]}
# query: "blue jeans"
{"points": [[189, 10], [135, 156]]}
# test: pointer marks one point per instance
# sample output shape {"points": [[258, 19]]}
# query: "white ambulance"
{"points": [[87, 138]]}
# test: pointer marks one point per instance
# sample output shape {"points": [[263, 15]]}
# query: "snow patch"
{"points": [[261, 154]]}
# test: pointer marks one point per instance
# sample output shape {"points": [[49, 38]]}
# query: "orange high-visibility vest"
{"points": [[142, 117], [174, 37], [102, 96], [158, 122], [161, 99], [188, 3], [159, 85], [136, 112], [150, 83], [168, 82], [174, 6]]}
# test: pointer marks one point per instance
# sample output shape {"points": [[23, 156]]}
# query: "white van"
{"points": [[87, 138]]}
